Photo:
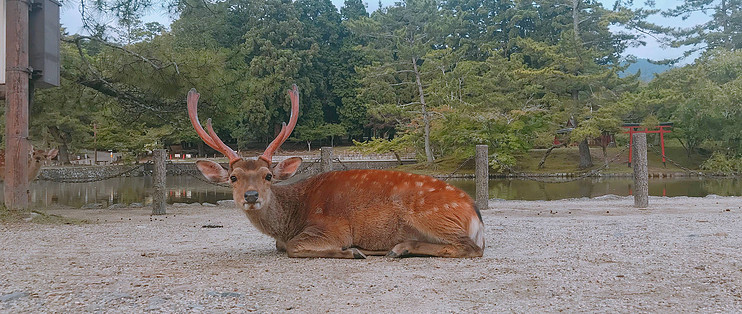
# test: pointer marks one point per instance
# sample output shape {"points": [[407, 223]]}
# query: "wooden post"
{"points": [[325, 159], [641, 171], [16, 106], [482, 177], [159, 193]]}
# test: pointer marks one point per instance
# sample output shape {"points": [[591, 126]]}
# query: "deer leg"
{"points": [[465, 247], [330, 240], [373, 253]]}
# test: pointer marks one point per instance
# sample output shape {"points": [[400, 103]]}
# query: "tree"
{"points": [[308, 134], [399, 38], [723, 30]]}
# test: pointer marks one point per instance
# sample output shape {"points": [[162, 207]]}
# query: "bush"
{"points": [[722, 164]]}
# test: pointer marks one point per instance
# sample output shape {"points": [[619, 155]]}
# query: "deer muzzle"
{"points": [[251, 197]]}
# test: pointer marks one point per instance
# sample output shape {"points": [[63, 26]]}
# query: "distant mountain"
{"points": [[648, 69]]}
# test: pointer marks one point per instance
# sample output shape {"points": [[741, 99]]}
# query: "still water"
{"points": [[186, 189]]}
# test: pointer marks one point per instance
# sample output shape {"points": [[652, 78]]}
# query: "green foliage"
{"points": [[720, 163], [312, 133], [397, 145], [702, 100], [430, 76]]}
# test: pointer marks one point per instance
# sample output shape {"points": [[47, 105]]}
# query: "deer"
{"points": [[37, 158], [347, 214]]}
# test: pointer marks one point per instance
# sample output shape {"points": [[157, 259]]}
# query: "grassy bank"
{"points": [[565, 160]]}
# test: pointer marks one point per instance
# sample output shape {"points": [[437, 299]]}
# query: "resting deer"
{"points": [[344, 214], [36, 160]]}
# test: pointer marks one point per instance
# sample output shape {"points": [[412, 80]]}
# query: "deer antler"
{"points": [[285, 130], [211, 138]]}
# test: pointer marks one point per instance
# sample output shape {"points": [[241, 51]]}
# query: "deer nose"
{"points": [[251, 196]]}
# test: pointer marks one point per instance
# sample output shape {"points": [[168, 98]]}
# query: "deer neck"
{"points": [[283, 218], [33, 169]]}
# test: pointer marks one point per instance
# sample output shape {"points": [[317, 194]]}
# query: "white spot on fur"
{"points": [[476, 231], [420, 193], [318, 210], [419, 184], [455, 204], [431, 189], [435, 208], [421, 202], [462, 195], [449, 188]]}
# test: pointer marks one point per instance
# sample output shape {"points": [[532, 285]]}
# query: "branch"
{"points": [[78, 38]]}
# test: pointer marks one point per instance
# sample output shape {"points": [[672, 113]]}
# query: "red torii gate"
{"points": [[634, 128]]}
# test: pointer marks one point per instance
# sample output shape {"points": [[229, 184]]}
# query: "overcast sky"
{"points": [[653, 50]]}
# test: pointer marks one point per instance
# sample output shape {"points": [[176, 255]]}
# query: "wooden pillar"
{"points": [[16, 105], [482, 177], [641, 171], [325, 159], [159, 193]]}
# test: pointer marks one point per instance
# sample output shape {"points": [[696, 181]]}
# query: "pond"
{"points": [[187, 189]]}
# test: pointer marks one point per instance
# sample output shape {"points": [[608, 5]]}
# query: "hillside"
{"points": [[648, 69]]}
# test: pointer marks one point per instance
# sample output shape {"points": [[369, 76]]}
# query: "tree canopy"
{"points": [[435, 77]]}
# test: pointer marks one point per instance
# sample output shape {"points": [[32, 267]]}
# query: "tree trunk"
{"points": [[396, 155], [605, 155], [423, 109], [201, 150], [586, 161], [548, 152], [64, 152], [576, 19]]}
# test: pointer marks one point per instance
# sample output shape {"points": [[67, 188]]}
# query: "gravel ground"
{"points": [[583, 255]]}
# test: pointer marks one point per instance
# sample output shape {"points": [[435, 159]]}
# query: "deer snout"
{"points": [[251, 196]]}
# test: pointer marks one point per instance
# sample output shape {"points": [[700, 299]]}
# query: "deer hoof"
{"points": [[397, 255], [358, 254]]}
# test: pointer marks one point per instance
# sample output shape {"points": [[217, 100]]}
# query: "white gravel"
{"points": [[584, 255]]}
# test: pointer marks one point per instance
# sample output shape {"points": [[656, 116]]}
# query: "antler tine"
{"points": [[285, 129], [231, 154], [210, 139]]}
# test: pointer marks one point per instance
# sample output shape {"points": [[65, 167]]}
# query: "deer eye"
{"points": [[268, 177], [233, 178]]}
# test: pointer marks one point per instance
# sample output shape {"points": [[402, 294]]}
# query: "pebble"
{"points": [[223, 294], [92, 206], [225, 203], [117, 206], [13, 296]]}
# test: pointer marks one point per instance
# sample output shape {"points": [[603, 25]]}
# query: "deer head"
{"points": [[250, 179], [36, 159]]}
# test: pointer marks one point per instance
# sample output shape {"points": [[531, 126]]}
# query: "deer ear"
{"points": [[213, 171], [52, 153], [287, 168]]}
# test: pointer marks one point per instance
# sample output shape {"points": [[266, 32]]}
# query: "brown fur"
{"points": [[36, 159], [347, 214]]}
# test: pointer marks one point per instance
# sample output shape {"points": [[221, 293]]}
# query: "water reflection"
{"points": [[186, 189], [513, 189], [124, 190]]}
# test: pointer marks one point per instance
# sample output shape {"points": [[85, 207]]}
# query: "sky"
{"points": [[70, 18]]}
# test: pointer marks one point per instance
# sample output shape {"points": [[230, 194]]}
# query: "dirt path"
{"points": [[572, 255]]}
